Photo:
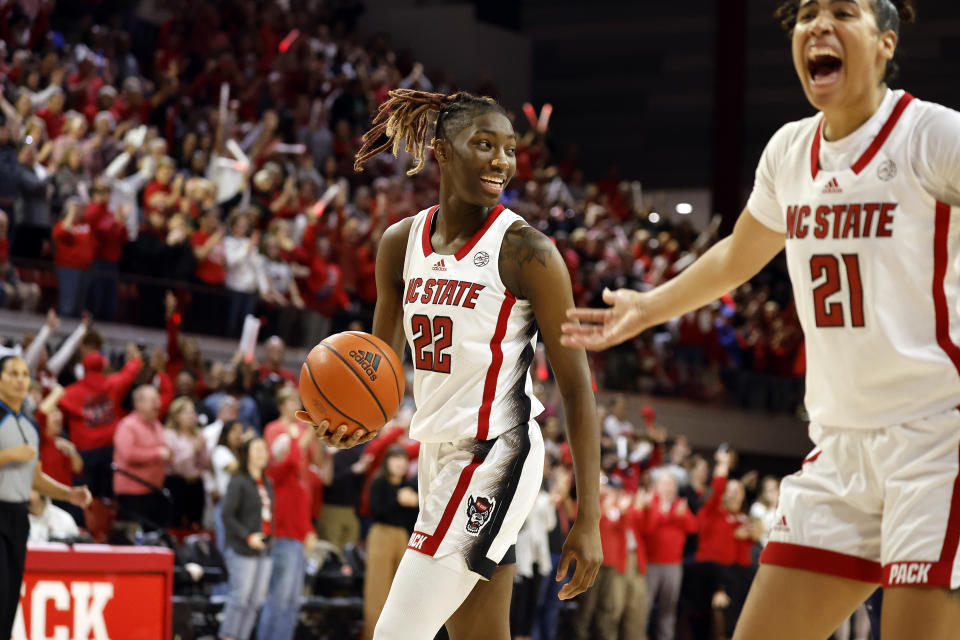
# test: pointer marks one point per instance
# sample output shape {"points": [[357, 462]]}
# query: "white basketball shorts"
{"points": [[877, 505], [475, 495]]}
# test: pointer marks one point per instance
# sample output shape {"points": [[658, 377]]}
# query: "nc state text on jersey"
{"points": [[841, 221], [457, 293]]}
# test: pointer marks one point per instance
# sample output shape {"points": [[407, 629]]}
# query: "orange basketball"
{"points": [[352, 378]]}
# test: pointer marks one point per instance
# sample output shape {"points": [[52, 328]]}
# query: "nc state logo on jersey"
{"points": [[478, 512], [481, 259], [887, 171]]}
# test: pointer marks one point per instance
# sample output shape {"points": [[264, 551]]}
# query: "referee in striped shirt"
{"points": [[19, 473]]}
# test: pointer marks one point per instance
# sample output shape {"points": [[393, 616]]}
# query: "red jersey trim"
{"points": [[431, 543], [940, 237], [927, 573], [797, 556], [427, 225], [874, 147], [493, 372], [471, 243], [475, 238], [871, 151]]}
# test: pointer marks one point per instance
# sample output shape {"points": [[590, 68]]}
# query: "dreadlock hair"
{"points": [[408, 114], [889, 15]]}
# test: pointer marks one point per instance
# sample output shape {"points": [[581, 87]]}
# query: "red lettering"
{"points": [[869, 208], [802, 228], [461, 287], [838, 210], [412, 289], [428, 290], [853, 221], [791, 220], [470, 302], [447, 296], [823, 225], [885, 220], [440, 284]]}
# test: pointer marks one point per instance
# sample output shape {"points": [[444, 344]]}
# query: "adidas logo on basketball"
{"points": [[368, 361], [440, 266], [832, 187]]}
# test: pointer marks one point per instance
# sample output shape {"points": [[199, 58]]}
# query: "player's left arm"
{"points": [[532, 269]]}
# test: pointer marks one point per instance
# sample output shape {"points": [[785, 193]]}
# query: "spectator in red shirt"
{"points": [[58, 456], [289, 441], [141, 456], [74, 249], [272, 364], [92, 409], [53, 115], [161, 195], [323, 294], [727, 537], [670, 522], [210, 271], [110, 232]]}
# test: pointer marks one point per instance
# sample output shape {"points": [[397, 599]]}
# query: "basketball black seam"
{"points": [[386, 358], [335, 407], [359, 377]]}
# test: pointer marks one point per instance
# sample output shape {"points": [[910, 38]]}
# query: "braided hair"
{"points": [[408, 114], [889, 14]]}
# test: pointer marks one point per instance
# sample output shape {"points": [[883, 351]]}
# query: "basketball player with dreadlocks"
{"points": [[865, 197], [467, 283]]}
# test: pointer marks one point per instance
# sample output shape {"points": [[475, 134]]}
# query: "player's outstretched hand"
{"points": [[336, 437], [597, 329], [583, 545]]}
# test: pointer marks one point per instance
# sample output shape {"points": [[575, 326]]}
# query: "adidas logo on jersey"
{"points": [[440, 266], [832, 187], [368, 361]]}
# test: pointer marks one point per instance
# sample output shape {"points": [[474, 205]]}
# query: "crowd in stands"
{"points": [[207, 147], [680, 538]]}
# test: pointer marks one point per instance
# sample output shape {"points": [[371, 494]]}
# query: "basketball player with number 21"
{"points": [[466, 283], [865, 196]]}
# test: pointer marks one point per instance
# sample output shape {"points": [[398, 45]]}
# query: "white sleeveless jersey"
{"points": [[873, 257], [471, 340]]}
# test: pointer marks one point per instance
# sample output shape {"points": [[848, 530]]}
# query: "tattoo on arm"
{"points": [[524, 246]]}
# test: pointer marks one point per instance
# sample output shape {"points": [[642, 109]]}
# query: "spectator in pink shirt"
{"points": [[140, 450], [188, 460]]}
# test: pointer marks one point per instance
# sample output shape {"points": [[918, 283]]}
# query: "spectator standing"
{"points": [[533, 565], [338, 521], [764, 510], [223, 460], [243, 270], [111, 235], [91, 407], [289, 441], [211, 270], [248, 524], [188, 460], [32, 208], [393, 507], [141, 451], [670, 522], [74, 250]]}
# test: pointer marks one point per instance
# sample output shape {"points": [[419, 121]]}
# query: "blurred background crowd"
{"points": [[184, 166]]}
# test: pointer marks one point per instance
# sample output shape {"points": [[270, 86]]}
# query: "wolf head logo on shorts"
{"points": [[478, 512]]}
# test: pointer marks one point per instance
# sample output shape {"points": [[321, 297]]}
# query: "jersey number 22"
{"points": [[437, 332]]}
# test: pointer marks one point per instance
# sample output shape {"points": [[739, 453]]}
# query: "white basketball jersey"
{"points": [[471, 340], [873, 258]]}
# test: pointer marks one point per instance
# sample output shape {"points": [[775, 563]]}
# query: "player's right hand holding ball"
{"points": [[337, 437]]}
